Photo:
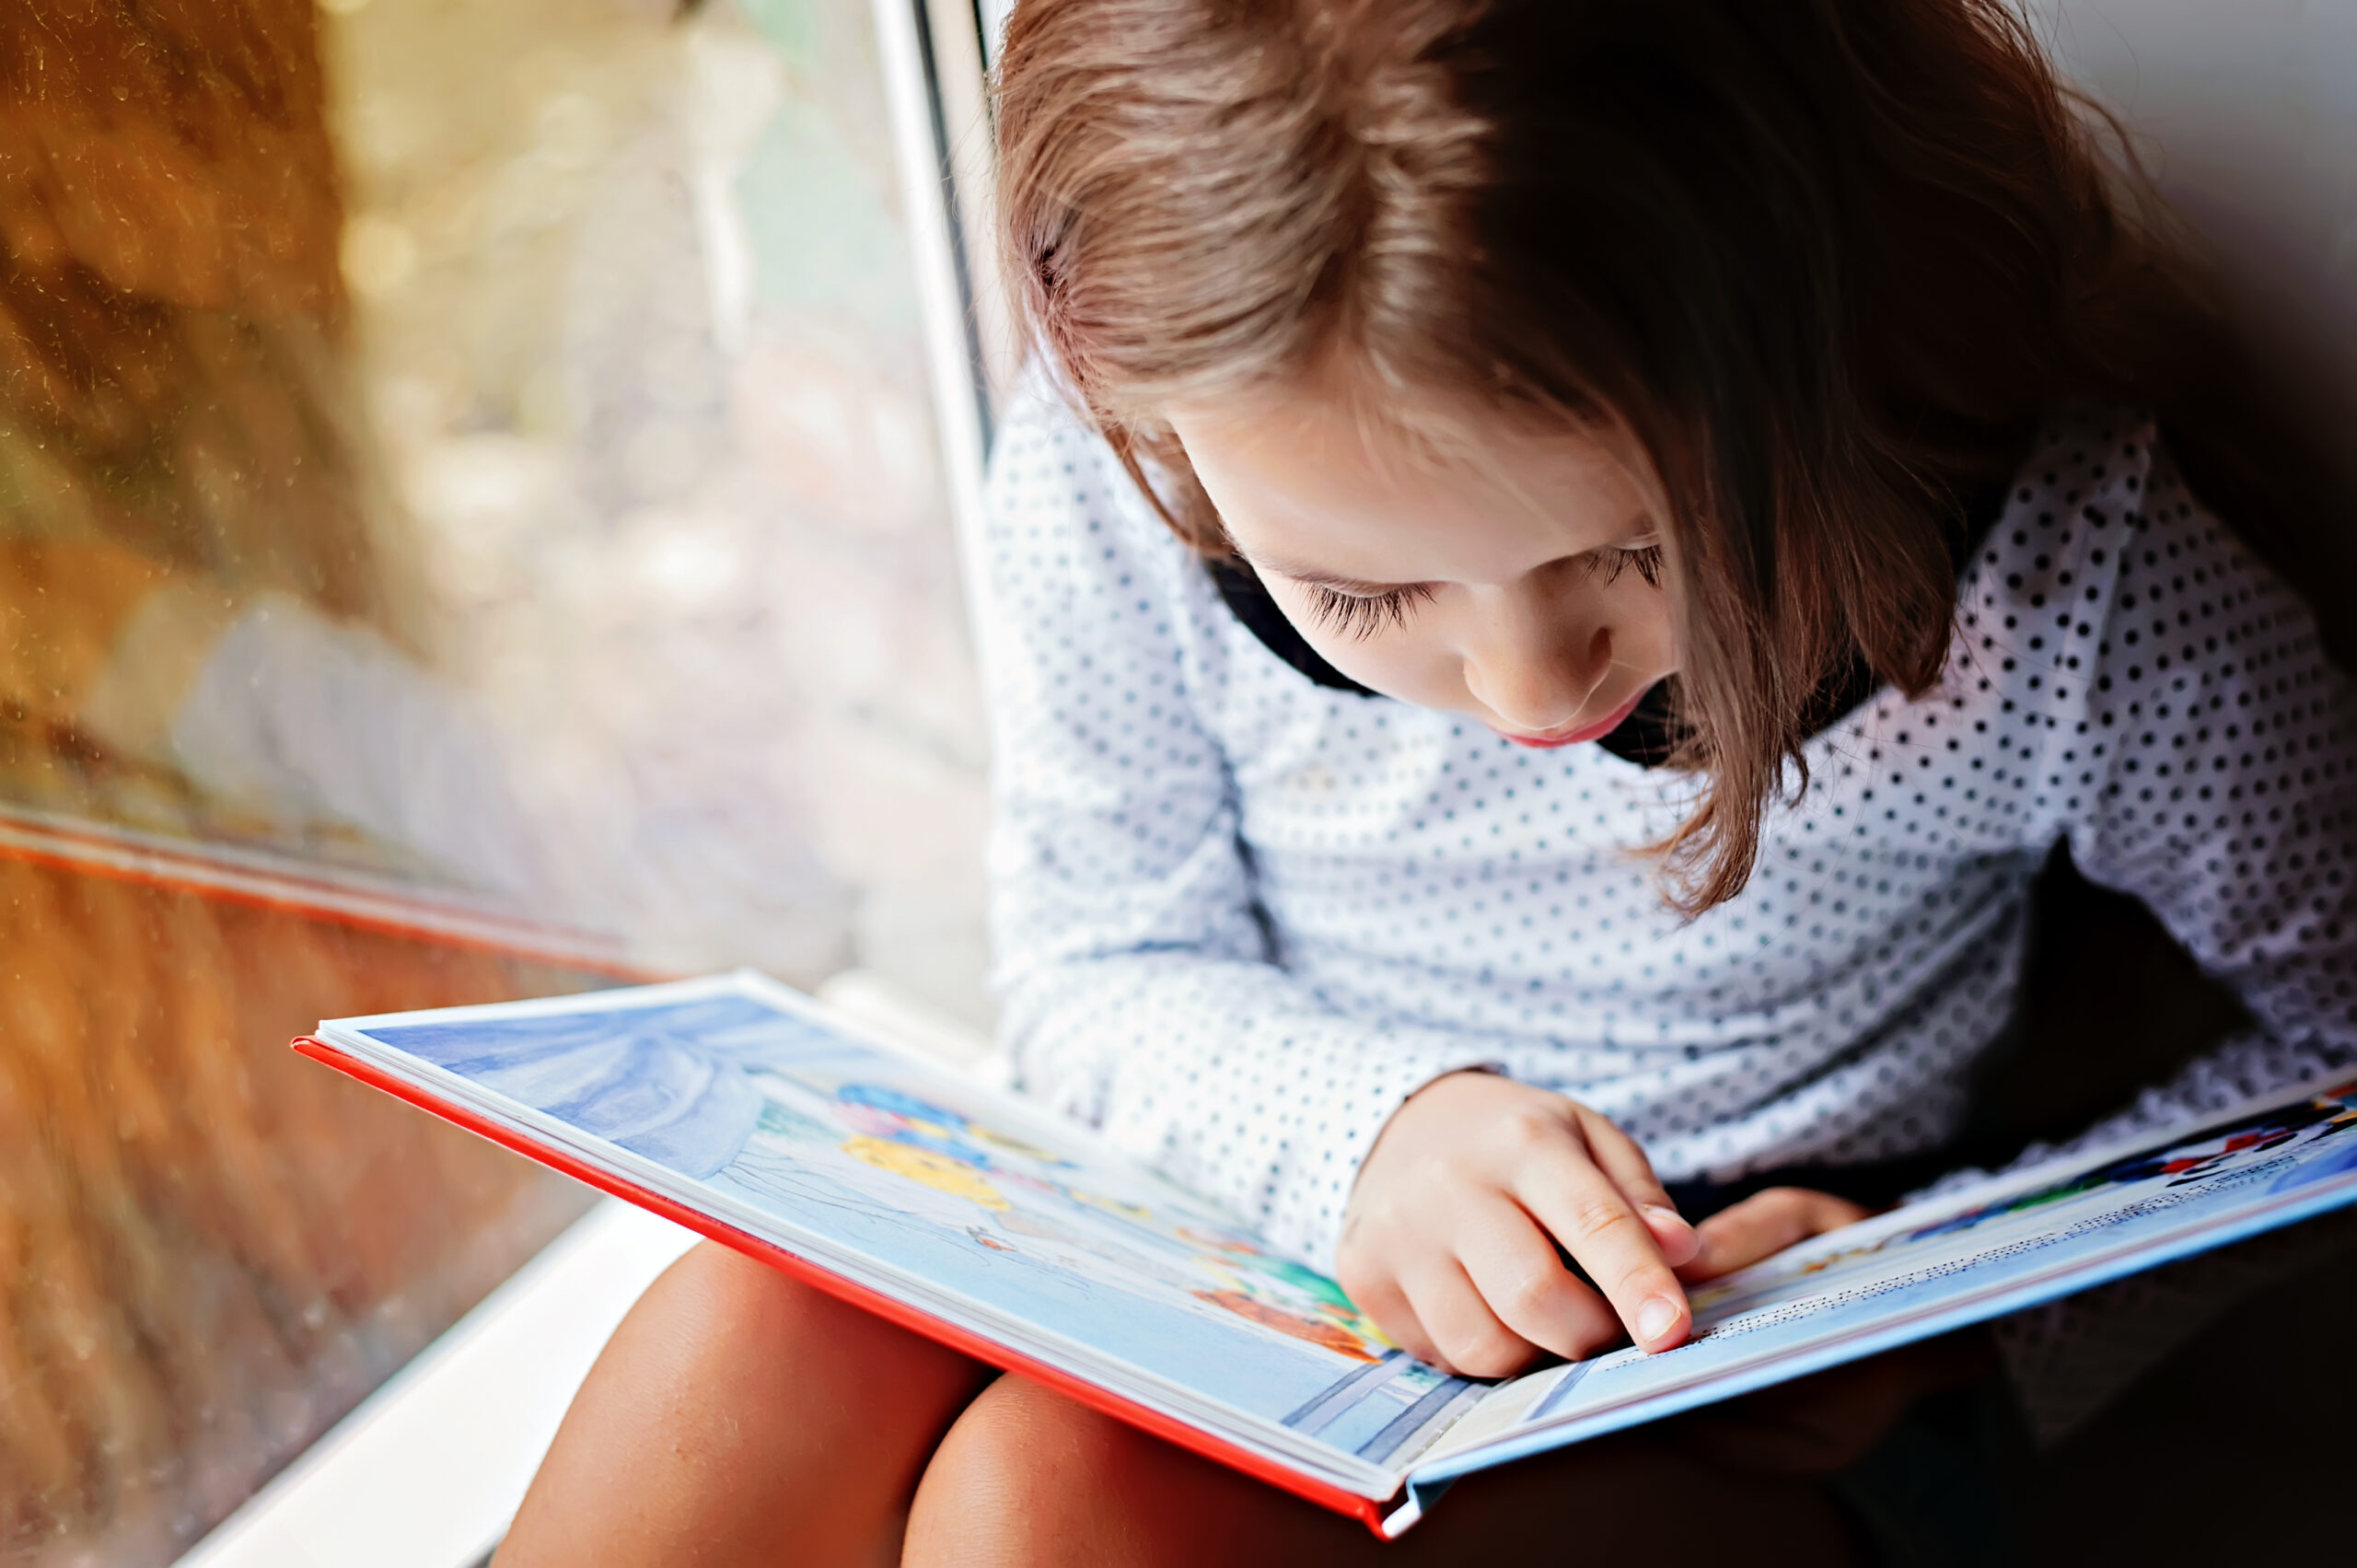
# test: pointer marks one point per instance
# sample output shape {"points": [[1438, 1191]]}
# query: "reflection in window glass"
{"points": [[470, 525]]}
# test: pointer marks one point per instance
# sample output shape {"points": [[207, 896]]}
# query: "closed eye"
{"points": [[1643, 559], [1360, 616]]}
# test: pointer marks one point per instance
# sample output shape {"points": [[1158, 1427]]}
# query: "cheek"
{"points": [[1399, 664], [1650, 627]]}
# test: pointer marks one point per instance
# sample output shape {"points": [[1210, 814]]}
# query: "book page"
{"points": [[739, 1099], [1938, 1265]]}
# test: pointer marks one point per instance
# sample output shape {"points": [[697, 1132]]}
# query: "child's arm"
{"points": [[2212, 771], [2195, 750], [1141, 994]]}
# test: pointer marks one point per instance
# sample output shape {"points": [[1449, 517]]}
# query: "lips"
{"points": [[1550, 739]]}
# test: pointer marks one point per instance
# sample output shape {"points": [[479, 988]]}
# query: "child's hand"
{"points": [[1766, 1223], [1450, 1241]]}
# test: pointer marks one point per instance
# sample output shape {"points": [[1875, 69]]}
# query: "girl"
{"points": [[1564, 566]]}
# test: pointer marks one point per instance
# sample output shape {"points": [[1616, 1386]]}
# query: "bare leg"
{"points": [[738, 1417], [1026, 1477]]}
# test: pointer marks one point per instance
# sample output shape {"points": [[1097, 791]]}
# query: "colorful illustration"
{"points": [[1270, 1290], [2231, 1146], [923, 1172]]}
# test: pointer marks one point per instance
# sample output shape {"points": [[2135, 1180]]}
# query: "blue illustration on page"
{"points": [[903, 1165]]}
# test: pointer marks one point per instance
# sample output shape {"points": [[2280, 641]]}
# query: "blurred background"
{"points": [[480, 485], [472, 523]]}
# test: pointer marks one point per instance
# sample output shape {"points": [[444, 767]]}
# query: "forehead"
{"points": [[1322, 483]]}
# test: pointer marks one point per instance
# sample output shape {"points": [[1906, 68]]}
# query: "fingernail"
{"points": [[1657, 1317], [1664, 1212]]}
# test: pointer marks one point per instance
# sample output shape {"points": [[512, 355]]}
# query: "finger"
{"points": [[1763, 1224], [1471, 1340], [1381, 1299], [1515, 1266], [1583, 1209], [1623, 1159]]}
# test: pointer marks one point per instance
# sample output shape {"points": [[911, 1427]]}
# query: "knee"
{"points": [[1019, 1437], [733, 1402], [717, 1299], [715, 1309], [736, 1323], [1013, 1472], [1028, 1477]]}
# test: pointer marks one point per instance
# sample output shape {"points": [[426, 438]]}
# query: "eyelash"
{"points": [[1646, 560], [1359, 617]]}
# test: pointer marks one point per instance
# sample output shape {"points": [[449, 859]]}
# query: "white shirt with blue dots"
{"points": [[1241, 916]]}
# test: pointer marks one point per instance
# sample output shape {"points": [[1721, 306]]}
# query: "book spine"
{"points": [[1169, 1428]]}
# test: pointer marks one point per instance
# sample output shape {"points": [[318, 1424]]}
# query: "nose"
{"points": [[1537, 671]]}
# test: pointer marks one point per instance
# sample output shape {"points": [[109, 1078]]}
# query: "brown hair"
{"points": [[1829, 260]]}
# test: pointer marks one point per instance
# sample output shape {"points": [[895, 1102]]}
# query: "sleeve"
{"points": [[2209, 773], [2218, 787], [1142, 989]]}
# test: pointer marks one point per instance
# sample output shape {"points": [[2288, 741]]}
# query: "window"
{"points": [[477, 495]]}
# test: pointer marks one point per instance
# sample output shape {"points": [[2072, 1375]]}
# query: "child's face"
{"points": [[1504, 576]]}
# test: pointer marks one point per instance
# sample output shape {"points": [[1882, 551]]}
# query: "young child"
{"points": [[1563, 564]]}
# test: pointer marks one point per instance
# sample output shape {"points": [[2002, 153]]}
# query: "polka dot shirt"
{"points": [[1241, 916]]}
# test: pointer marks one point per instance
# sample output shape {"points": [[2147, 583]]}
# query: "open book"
{"points": [[741, 1110]]}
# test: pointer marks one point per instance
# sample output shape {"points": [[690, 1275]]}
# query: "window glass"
{"points": [[472, 525]]}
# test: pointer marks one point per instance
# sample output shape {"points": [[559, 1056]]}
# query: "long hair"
{"points": [[1829, 261]]}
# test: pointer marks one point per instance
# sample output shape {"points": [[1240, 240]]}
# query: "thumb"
{"points": [[1762, 1225]]}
